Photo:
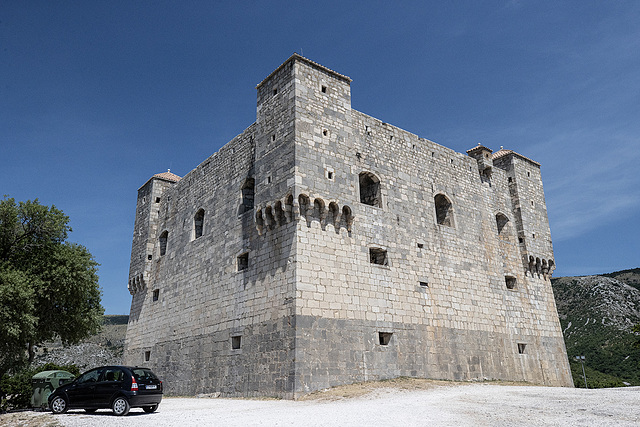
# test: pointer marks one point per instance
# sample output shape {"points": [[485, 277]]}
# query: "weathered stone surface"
{"points": [[369, 253]]}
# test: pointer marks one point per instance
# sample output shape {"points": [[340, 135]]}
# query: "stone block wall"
{"points": [[336, 248]]}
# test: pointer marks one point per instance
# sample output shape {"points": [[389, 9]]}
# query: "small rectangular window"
{"points": [[378, 256], [243, 261], [147, 356], [384, 338], [235, 342], [420, 245], [157, 199], [424, 284], [275, 91], [521, 347], [149, 257], [156, 294], [324, 89], [510, 281]]}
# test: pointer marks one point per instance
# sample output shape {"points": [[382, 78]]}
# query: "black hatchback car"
{"points": [[117, 387]]}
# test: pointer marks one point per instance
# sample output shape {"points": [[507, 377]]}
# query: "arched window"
{"points": [[444, 210], [247, 191], [198, 224], [370, 189], [163, 242], [501, 222]]}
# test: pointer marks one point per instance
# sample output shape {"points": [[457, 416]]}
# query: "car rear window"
{"points": [[143, 374]]}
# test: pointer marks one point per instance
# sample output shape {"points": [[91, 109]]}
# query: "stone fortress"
{"points": [[323, 247]]}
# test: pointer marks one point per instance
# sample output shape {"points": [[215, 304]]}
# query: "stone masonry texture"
{"points": [[323, 247]]}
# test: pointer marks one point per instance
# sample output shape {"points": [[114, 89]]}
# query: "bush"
{"points": [[16, 389]]}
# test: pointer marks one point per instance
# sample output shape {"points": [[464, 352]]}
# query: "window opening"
{"points": [[424, 284], [275, 91], [501, 222], [247, 193], [273, 137], [198, 223], [236, 341], [149, 257], [444, 210], [378, 256], [521, 347], [156, 294], [147, 356], [243, 261], [420, 245], [384, 338], [324, 89], [163, 242], [370, 189], [157, 199], [510, 281], [325, 132]]}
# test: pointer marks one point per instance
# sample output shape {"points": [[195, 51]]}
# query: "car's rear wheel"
{"points": [[150, 409], [59, 405], [120, 406]]}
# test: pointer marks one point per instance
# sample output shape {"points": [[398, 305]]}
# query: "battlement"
{"points": [[323, 246]]}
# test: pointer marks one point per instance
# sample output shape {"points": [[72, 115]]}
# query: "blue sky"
{"points": [[95, 97]]}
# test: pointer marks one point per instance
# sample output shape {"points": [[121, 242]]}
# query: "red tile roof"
{"points": [[168, 176]]}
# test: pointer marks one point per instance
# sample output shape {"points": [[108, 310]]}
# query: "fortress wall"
{"points": [[465, 323], [204, 301], [311, 309]]}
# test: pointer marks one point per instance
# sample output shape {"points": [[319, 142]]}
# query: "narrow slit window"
{"points": [[147, 356], [163, 242], [324, 89], [247, 194], [384, 338], [236, 341], [156, 294], [424, 284], [198, 224], [521, 347]]}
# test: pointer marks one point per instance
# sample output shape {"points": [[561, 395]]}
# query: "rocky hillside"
{"points": [[597, 314], [105, 348]]}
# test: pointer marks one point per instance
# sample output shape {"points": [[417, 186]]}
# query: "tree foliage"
{"points": [[48, 287]]}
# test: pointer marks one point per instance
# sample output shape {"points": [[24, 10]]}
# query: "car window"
{"points": [[90, 377], [143, 374], [113, 374]]}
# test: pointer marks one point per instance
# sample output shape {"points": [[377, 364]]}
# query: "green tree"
{"points": [[636, 330], [48, 287]]}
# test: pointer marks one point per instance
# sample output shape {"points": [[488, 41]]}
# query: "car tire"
{"points": [[90, 410], [150, 409], [120, 406], [59, 405]]}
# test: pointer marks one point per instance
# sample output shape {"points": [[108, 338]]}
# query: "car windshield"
{"points": [[143, 374]]}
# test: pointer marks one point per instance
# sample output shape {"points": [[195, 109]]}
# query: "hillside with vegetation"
{"points": [[597, 314], [104, 348]]}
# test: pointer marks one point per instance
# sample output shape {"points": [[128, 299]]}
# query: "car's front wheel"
{"points": [[59, 405], [120, 406], [150, 409]]}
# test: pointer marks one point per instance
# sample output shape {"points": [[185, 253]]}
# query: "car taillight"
{"points": [[134, 384]]}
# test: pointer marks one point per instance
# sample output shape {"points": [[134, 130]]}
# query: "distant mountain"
{"points": [[597, 314]]}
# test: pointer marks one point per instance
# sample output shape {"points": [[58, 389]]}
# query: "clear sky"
{"points": [[97, 96]]}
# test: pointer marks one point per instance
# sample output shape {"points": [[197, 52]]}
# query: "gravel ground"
{"points": [[457, 405]]}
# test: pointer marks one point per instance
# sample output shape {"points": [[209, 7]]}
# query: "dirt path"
{"points": [[433, 404]]}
